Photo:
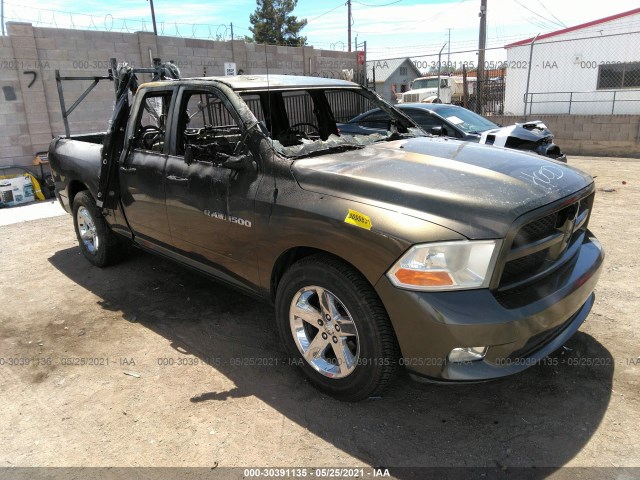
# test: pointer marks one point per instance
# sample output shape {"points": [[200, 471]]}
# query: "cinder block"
{"points": [[23, 140], [23, 42], [168, 52], [25, 53], [41, 139], [13, 130], [19, 29], [54, 55], [45, 43], [66, 43], [126, 48], [111, 37], [171, 41], [11, 152], [619, 136], [40, 127], [195, 43], [620, 119], [8, 141], [11, 107], [579, 135]]}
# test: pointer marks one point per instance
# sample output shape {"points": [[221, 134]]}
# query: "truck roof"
{"points": [[263, 82]]}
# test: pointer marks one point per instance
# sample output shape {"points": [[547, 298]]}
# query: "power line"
{"points": [[538, 15], [551, 13], [325, 13], [429, 18], [374, 5]]}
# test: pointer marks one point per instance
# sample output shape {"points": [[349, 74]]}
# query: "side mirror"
{"points": [[437, 131], [238, 162], [188, 155]]}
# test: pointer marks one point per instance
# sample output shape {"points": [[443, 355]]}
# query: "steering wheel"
{"points": [[149, 134], [292, 128]]}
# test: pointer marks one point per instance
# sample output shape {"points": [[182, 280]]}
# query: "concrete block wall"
{"points": [[595, 135], [29, 57], [15, 141]]}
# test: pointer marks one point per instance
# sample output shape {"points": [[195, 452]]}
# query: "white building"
{"points": [[593, 68], [391, 77]]}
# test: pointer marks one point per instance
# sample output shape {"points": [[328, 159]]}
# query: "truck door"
{"points": [[210, 207], [141, 170]]}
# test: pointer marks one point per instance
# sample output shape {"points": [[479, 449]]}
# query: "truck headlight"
{"points": [[446, 265]]}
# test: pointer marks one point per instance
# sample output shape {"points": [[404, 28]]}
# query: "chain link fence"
{"points": [[579, 73], [584, 75]]}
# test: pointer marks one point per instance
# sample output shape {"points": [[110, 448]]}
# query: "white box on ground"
{"points": [[14, 191]]}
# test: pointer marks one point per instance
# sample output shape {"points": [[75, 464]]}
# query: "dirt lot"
{"points": [[149, 398]]}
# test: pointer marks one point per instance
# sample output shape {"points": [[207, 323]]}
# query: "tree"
{"points": [[273, 23]]}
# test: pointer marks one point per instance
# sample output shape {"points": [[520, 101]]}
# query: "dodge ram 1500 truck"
{"points": [[457, 261]]}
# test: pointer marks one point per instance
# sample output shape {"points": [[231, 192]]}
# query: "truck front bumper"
{"points": [[518, 328]]}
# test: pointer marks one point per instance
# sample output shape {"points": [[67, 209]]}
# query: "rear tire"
{"points": [[335, 327], [97, 242]]}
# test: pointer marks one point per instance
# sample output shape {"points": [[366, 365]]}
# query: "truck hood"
{"points": [[476, 190], [423, 91]]}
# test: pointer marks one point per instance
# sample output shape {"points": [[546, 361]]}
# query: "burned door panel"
{"points": [[141, 172], [210, 207]]}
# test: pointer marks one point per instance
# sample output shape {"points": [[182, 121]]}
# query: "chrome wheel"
{"points": [[324, 332], [87, 229]]}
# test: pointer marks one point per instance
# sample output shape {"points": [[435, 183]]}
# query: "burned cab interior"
{"points": [[210, 132], [303, 121], [299, 121]]}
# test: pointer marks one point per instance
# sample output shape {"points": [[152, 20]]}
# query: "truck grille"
{"points": [[543, 244], [411, 97]]}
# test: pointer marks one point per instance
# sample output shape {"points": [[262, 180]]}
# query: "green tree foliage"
{"points": [[273, 23]]}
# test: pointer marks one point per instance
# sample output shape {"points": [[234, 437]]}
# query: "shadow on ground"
{"points": [[542, 417]]}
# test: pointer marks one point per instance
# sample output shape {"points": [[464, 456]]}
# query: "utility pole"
{"points": [[232, 31], [349, 23], [482, 41], [153, 18], [366, 75], [439, 64], [2, 15], [449, 50]]}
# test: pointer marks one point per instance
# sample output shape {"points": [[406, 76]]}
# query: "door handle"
{"points": [[174, 179], [128, 169]]}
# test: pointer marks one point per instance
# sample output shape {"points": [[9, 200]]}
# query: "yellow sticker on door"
{"points": [[358, 219]]}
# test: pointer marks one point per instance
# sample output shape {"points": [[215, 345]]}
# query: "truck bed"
{"points": [[76, 159]]}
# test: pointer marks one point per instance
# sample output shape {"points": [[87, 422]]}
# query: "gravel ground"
{"points": [[148, 364]]}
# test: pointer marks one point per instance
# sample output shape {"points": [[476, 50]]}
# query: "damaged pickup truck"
{"points": [[456, 261]]}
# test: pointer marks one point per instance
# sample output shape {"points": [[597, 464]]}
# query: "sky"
{"points": [[391, 28]]}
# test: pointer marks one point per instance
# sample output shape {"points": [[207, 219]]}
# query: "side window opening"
{"points": [[292, 116], [151, 129], [208, 128]]}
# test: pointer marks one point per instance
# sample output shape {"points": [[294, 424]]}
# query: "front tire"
{"points": [[97, 242], [335, 327]]}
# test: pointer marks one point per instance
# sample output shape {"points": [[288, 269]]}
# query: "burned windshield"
{"points": [[318, 120]]}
